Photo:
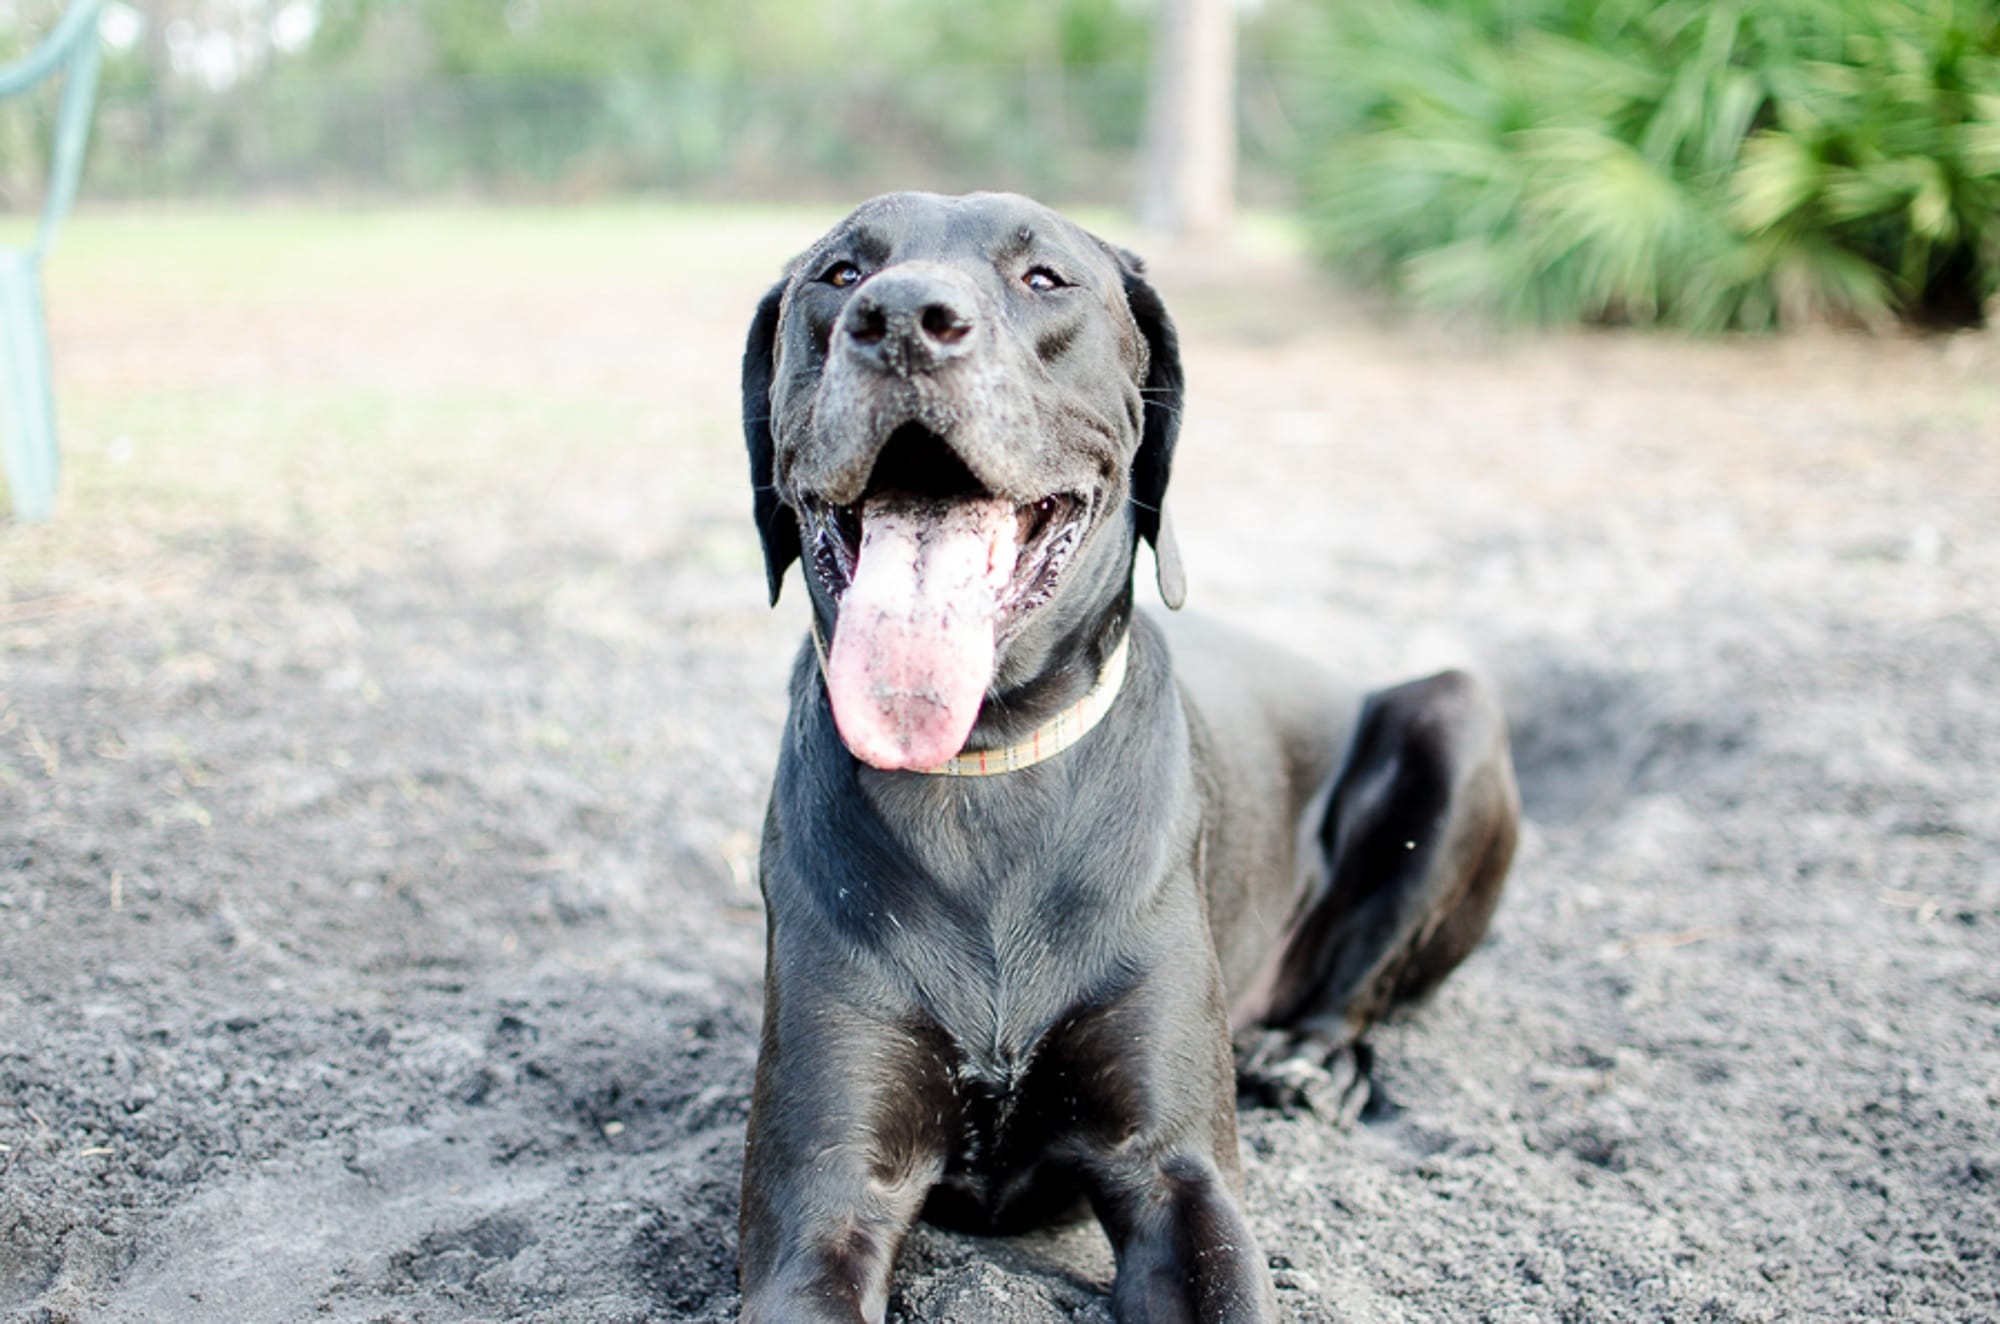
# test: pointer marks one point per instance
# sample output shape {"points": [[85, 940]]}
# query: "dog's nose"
{"points": [[908, 322]]}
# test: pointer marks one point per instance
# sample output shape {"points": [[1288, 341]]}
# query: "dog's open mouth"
{"points": [[931, 571]]}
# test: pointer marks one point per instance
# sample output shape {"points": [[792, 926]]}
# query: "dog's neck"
{"points": [[1047, 740]]}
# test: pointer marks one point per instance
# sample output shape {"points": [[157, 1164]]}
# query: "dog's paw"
{"points": [[1299, 1071]]}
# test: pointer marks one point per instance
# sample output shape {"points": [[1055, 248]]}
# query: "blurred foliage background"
{"points": [[1703, 165], [1707, 165], [574, 98]]}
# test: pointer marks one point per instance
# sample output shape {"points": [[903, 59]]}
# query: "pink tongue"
{"points": [[913, 650]]}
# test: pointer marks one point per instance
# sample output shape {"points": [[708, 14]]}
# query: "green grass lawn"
{"points": [[338, 373], [255, 252]]}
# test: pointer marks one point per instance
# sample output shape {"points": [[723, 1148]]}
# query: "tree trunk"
{"points": [[1188, 173]]}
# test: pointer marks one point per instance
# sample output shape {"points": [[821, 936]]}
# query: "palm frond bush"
{"points": [[1705, 165]]}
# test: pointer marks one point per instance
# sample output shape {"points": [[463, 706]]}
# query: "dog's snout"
{"points": [[905, 322]]}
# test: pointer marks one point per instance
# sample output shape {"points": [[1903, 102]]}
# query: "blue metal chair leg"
{"points": [[27, 414], [27, 411]]}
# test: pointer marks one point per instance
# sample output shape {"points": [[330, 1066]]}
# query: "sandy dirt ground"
{"points": [[385, 724]]}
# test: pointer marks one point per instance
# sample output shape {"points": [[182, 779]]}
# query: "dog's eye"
{"points": [[1042, 280], [841, 275]]}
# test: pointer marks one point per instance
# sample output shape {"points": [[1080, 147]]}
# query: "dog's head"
{"points": [[961, 412]]}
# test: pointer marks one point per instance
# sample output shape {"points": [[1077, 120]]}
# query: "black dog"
{"points": [[1032, 857]]}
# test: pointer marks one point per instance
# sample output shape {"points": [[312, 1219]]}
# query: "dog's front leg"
{"points": [[1185, 1253], [846, 1137], [1160, 1158]]}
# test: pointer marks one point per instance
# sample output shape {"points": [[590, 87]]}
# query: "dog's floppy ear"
{"points": [[776, 524], [1162, 390]]}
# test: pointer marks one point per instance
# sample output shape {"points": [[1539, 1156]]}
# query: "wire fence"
{"points": [[1066, 132]]}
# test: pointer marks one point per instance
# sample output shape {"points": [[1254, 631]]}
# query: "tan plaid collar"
{"points": [[1045, 741]]}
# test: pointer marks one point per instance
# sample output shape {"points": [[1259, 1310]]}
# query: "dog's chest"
{"points": [[996, 982], [1020, 992], [1007, 1115], [1019, 1120], [1022, 914]]}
